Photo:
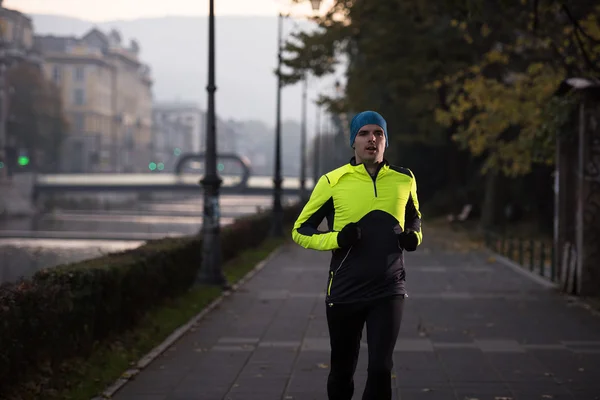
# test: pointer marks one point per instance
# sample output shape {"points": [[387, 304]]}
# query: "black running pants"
{"points": [[346, 322]]}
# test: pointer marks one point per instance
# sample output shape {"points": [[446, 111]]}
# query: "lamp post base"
{"points": [[211, 271], [277, 223]]}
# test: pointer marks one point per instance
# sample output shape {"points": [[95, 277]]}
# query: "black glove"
{"points": [[349, 235], [408, 241]]}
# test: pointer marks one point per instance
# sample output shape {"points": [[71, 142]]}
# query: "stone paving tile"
{"points": [[472, 329]]}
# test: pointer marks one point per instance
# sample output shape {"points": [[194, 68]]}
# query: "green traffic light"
{"points": [[161, 166], [23, 161], [152, 166], [177, 151], [220, 167]]}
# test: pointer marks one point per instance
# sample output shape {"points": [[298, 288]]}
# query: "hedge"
{"points": [[62, 312]]}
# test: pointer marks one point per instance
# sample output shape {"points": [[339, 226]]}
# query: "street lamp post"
{"points": [[3, 110], [317, 147], [211, 272], [277, 224], [303, 143]]}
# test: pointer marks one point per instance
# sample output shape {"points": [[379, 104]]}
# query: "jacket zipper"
{"points": [[374, 178], [332, 273]]}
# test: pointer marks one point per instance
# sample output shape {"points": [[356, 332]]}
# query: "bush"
{"points": [[62, 312]]}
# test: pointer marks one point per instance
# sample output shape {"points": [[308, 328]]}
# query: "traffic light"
{"points": [[177, 152], [152, 166], [160, 166], [23, 161]]}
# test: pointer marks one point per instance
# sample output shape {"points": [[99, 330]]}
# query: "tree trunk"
{"points": [[488, 211]]}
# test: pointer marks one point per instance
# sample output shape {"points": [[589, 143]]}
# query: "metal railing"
{"points": [[535, 255]]}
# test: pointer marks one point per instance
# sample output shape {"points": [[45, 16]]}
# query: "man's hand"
{"points": [[408, 241], [349, 235]]}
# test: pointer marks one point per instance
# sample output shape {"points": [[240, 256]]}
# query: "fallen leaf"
{"points": [[322, 365], [491, 260]]}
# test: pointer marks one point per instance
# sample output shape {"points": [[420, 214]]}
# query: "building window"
{"points": [[79, 97], [56, 73], [79, 74]]}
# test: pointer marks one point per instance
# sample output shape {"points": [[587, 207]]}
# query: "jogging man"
{"points": [[372, 214]]}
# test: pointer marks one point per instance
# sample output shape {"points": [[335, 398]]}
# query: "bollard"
{"points": [[531, 254], [520, 251], [542, 258], [552, 265]]}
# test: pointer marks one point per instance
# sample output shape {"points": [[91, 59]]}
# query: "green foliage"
{"points": [[504, 104], [65, 312], [480, 72]]}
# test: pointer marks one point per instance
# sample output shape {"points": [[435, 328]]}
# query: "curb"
{"points": [[130, 374], [519, 269], [570, 299]]}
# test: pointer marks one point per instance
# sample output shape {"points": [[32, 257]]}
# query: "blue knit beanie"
{"points": [[367, 118]]}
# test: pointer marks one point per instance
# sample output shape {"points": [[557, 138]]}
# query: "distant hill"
{"points": [[176, 50]]}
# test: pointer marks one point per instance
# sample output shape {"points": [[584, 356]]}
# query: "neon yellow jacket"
{"points": [[382, 206]]}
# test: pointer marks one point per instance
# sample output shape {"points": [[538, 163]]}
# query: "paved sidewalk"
{"points": [[472, 330]]}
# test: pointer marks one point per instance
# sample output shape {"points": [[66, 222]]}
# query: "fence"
{"points": [[533, 254]]}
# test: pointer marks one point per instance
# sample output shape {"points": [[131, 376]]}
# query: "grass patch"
{"points": [[88, 378]]}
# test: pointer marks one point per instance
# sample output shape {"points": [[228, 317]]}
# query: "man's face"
{"points": [[369, 144]]}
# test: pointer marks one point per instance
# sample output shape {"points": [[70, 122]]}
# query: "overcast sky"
{"points": [[94, 10]]}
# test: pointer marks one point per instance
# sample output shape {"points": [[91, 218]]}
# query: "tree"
{"points": [[36, 120], [504, 105], [394, 50]]}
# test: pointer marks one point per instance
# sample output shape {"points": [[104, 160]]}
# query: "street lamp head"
{"points": [[316, 4]]}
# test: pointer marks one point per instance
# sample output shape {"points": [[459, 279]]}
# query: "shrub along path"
{"points": [[473, 329]]}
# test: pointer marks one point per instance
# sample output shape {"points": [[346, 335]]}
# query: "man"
{"points": [[373, 215]]}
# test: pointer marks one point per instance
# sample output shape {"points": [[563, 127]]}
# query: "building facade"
{"points": [[16, 46], [107, 96], [184, 114], [171, 138]]}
